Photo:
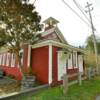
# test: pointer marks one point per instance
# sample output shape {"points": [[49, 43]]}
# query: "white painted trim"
{"points": [[3, 63], [48, 32], [29, 55], [58, 44], [50, 65], [8, 59], [76, 60], [70, 66], [0, 59], [62, 58], [80, 63]]}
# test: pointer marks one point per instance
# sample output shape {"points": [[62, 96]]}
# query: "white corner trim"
{"points": [[50, 65], [29, 55]]}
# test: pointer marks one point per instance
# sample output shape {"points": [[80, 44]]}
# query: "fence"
{"points": [[89, 73], [66, 80]]}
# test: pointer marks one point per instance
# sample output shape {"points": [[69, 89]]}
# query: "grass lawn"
{"points": [[87, 91]]}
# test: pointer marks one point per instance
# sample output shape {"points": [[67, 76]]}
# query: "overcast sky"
{"points": [[72, 27]]}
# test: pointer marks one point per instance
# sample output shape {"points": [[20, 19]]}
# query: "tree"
{"points": [[19, 23], [90, 46]]}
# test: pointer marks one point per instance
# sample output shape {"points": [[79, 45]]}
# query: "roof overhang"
{"points": [[57, 44]]}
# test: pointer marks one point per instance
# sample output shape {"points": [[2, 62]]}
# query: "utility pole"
{"points": [[93, 34]]}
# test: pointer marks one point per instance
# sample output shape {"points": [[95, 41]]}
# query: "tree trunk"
{"points": [[20, 64]]}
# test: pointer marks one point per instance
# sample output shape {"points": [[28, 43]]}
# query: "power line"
{"points": [[81, 9], [83, 12], [75, 12]]}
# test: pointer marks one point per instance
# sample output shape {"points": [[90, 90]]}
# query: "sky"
{"points": [[72, 27]]}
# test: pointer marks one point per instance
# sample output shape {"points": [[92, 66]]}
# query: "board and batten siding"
{"points": [[40, 62]]}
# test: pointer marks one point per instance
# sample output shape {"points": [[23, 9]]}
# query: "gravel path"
{"points": [[98, 98]]}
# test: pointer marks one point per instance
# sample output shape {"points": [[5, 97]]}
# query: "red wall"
{"points": [[39, 63], [54, 66], [12, 71]]}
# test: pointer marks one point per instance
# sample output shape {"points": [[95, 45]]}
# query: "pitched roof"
{"points": [[54, 21]]}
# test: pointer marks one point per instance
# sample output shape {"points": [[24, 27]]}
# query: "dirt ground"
{"points": [[8, 85]]}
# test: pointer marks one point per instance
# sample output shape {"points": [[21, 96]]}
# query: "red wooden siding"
{"points": [[54, 65], [39, 63], [9, 70], [72, 71], [51, 36], [12, 71]]}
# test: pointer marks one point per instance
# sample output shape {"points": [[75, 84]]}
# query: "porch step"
{"points": [[27, 82]]}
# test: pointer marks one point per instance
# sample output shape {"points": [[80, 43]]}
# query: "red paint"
{"points": [[39, 63], [51, 36], [47, 28], [54, 65], [25, 57], [72, 71], [12, 71]]}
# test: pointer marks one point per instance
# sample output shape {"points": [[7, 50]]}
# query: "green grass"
{"points": [[87, 91]]}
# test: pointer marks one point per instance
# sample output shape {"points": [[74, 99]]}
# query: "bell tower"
{"points": [[50, 23]]}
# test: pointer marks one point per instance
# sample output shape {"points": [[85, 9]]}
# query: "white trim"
{"points": [[0, 59], [29, 55], [48, 32], [76, 60], [60, 35], [50, 65], [54, 43], [70, 66], [62, 58], [3, 62], [8, 59], [80, 63]]}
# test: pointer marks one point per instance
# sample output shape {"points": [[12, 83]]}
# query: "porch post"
{"points": [[29, 56], [50, 65]]}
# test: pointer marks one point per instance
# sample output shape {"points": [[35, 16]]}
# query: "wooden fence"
{"points": [[89, 73]]}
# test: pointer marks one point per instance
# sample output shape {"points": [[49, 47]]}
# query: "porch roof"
{"points": [[58, 44]]}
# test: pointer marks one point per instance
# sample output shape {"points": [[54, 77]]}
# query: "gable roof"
{"points": [[54, 30], [60, 35], [51, 28], [54, 21]]}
